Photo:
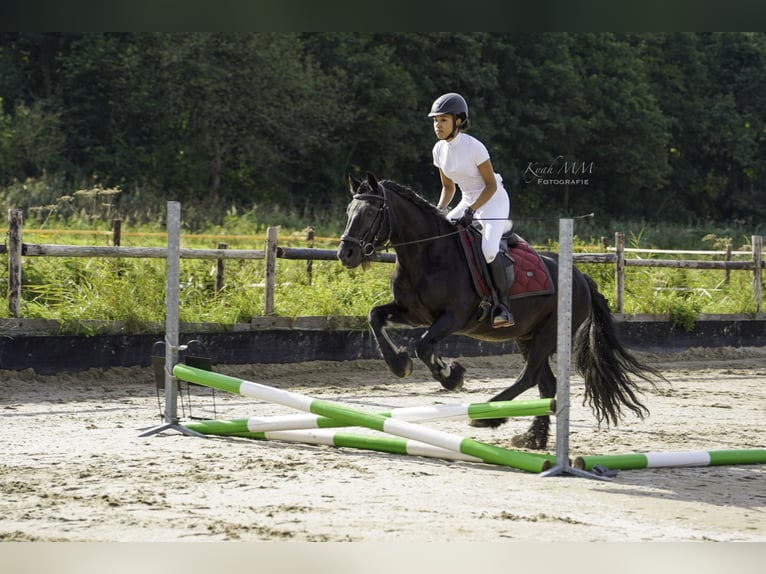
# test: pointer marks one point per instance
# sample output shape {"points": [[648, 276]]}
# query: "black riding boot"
{"points": [[501, 314]]}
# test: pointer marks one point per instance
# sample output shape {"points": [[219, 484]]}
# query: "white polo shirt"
{"points": [[459, 160]]}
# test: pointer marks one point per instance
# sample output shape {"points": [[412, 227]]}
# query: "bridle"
{"points": [[369, 246]]}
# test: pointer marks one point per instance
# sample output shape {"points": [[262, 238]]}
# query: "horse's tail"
{"points": [[606, 365]]}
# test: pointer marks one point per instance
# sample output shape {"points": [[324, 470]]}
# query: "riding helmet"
{"points": [[451, 103]]}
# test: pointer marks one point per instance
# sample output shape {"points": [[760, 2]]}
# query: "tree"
{"points": [[711, 90], [377, 131], [246, 109], [736, 64], [626, 135], [538, 106], [664, 125], [9, 163]]}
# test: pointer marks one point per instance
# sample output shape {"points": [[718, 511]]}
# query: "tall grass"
{"points": [[73, 290]]}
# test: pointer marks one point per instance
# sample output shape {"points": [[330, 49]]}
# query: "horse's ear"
{"points": [[353, 184], [372, 180]]}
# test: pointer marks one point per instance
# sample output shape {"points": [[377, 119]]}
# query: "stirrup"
{"points": [[501, 317]]}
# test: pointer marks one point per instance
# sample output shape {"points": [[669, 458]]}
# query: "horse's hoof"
{"points": [[487, 423], [452, 387], [453, 381], [529, 441], [402, 366]]}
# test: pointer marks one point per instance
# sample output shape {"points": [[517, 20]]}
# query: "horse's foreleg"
{"points": [[397, 358], [449, 374]]}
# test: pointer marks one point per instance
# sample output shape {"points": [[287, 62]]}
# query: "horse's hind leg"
{"points": [[536, 436], [536, 371], [397, 358], [523, 382]]}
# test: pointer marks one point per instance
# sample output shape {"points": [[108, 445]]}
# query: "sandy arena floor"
{"points": [[75, 469]]}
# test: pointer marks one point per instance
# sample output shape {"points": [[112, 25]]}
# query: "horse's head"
{"points": [[367, 226]]}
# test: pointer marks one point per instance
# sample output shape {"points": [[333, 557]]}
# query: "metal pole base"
{"points": [[559, 470], [173, 426]]}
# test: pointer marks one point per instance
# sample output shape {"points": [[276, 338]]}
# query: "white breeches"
{"points": [[494, 219]]}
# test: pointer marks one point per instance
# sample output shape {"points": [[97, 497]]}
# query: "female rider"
{"points": [[464, 160]]}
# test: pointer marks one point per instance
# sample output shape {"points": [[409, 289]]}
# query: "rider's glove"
{"points": [[467, 218]]}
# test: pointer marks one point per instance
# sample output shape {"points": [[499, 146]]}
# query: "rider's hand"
{"points": [[467, 217]]}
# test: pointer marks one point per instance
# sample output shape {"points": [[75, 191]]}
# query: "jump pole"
{"points": [[353, 417], [516, 408], [564, 355], [673, 459], [382, 443]]}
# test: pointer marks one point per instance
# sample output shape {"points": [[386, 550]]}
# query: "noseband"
{"points": [[369, 246]]}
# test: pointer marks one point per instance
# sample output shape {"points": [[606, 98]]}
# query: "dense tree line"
{"points": [[663, 126]]}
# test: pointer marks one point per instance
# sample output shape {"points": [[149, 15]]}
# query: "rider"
{"points": [[464, 160]]}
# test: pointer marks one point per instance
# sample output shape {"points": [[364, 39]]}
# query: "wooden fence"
{"points": [[615, 256]]}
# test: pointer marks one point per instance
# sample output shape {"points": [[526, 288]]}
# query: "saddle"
{"points": [[527, 274]]}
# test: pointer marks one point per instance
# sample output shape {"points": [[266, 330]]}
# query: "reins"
{"points": [[424, 240], [369, 248]]}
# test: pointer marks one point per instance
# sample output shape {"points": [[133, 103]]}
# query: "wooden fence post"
{"points": [[727, 274], [272, 234], [757, 277], [619, 272], [310, 245], [116, 232], [220, 271], [15, 219]]}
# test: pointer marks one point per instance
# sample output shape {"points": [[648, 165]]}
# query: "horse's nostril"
{"points": [[347, 255], [344, 253]]}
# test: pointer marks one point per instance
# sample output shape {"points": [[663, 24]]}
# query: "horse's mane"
{"points": [[411, 195]]}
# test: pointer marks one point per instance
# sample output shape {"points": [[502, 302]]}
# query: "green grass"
{"points": [[72, 290]]}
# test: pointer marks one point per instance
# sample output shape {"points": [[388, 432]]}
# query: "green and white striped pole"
{"points": [[516, 408], [380, 443], [353, 417], [673, 459]]}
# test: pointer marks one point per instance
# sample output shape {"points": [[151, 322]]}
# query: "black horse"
{"points": [[432, 288]]}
